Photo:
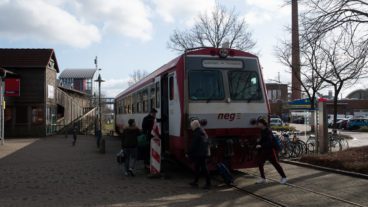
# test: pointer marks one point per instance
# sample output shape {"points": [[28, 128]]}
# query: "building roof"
{"points": [[358, 94], [78, 73], [26, 58]]}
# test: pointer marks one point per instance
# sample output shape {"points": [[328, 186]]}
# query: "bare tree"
{"points": [[214, 29], [323, 16], [136, 76], [346, 61], [310, 82]]}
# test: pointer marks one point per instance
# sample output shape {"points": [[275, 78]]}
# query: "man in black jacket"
{"points": [[198, 153], [147, 126]]}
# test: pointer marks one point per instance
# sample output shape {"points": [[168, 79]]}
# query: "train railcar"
{"points": [[222, 87]]}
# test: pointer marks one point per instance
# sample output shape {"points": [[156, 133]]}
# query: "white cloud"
{"points": [[183, 11], [74, 23], [125, 17], [263, 11], [113, 87], [24, 19]]}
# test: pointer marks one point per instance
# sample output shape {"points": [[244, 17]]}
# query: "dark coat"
{"points": [[147, 125], [199, 145], [266, 140], [129, 137]]}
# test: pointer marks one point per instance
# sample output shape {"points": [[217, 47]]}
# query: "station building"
{"points": [[30, 111], [36, 104]]}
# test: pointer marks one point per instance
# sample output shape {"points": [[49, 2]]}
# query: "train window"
{"points": [[145, 100], [206, 85], [171, 87], [153, 97], [158, 94], [244, 85]]}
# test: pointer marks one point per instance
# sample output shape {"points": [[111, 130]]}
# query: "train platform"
{"points": [[51, 172]]}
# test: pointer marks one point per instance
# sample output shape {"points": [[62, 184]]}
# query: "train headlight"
{"points": [[223, 53]]}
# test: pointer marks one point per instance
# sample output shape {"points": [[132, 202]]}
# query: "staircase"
{"points": [[74, 114]]}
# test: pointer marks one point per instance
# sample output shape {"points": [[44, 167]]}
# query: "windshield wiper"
{"points": [[210, 98], [252, 97]]}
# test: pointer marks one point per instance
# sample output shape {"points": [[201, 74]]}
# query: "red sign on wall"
{"points": [[12, 87]]}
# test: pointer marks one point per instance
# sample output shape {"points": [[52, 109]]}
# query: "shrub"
{"points": [[363, 129], [283, 128]]}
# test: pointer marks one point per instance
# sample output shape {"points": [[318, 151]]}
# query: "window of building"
{"points": [[37, 115], [21, 115], [8, 115]]}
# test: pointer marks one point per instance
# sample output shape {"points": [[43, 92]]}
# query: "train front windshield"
{"points": [[244, 85], [210, 85], [206, 85]]}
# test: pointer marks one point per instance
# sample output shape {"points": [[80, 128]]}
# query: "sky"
{"points": [[128, 35]]}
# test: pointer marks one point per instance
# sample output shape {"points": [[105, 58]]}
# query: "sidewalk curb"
{"points": [[327, 169]]}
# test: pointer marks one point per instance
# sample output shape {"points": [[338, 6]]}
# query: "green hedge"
{"points": [[363, 129], [283, 128]]}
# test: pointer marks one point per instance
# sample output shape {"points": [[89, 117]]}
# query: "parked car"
{"points": [[342, 123], [299, 120], [330, 122], [276, 122], [357, 123]]}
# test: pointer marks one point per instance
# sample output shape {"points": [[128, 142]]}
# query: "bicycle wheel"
{"points": [[344, 143], [302, 146]]}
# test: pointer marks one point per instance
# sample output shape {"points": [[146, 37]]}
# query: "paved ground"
{"points": [[50, 172], [344, 187]]}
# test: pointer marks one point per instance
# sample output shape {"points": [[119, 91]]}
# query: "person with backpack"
{"points": [[267, 148], [198, 152], [129, 144]]}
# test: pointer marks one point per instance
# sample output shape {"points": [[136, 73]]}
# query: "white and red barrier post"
{"points": [[155, 151], [155, 164]]}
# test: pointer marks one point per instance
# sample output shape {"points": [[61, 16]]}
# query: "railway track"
{"points": [[254, 195], [297, 187]]}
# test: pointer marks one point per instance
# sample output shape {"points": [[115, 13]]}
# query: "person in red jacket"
{"points": [[266, 151]]}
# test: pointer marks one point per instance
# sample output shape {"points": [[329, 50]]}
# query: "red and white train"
{"points": [[223, 87]]}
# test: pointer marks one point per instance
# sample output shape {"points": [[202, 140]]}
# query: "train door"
{"points": [[165, 113]]}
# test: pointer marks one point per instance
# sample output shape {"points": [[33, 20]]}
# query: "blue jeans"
{"points": [[130, 155]]}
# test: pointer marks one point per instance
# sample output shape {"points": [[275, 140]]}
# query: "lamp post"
{"points": [[102, 146]]}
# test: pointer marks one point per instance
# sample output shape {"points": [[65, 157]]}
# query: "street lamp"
{"points": [[99, 80]]}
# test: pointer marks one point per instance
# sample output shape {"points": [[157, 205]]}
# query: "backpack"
{"points": [[142, 140], [276, 143]]}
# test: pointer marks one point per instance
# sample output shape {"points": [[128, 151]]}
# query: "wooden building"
{"points": [[34, 112]]}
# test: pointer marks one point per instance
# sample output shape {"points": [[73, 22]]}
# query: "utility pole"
{"points": [[295, 78], [99, 136]]}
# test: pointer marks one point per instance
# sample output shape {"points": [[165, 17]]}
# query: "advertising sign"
{"points": [[12, 87]]}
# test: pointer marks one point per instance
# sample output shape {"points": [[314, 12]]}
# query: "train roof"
{"points": [[194, 51]]}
